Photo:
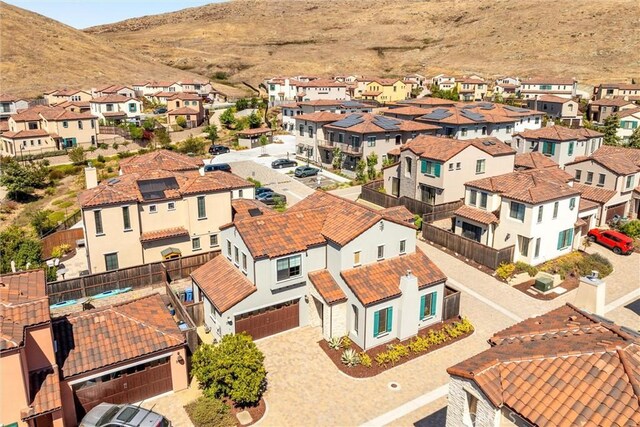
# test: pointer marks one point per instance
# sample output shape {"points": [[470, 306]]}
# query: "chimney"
{"points": [[409, 310], [591, 293], [90, 176]]}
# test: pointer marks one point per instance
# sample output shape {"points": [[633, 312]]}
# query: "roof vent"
{"points": [[113, 181]]}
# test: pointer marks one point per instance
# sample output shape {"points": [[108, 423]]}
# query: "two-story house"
{"points": [[533, 87], [629, 122], [625, 91], [116, 108], [57, 96], [563, 145], [310, 134], [444, 81], [326, 262], [289, 111], [320, 89], [535, 210], [75, 106], [434, 169], [152, 87], [358, 135], [10, 104], [471, 89], [610, 177], [187, 105], [425, 102], [557, 108], [416, 80], [160, 207], [599, 110], [127, 91], [201, 87], [382, 90]]}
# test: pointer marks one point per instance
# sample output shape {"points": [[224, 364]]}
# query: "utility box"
{"points": [[544, 283]]}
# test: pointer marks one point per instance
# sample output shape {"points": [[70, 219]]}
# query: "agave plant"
{"points": [[350, 357], [335, 343]]}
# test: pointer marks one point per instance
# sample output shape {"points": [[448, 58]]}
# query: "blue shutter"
{"points": [[436, 168], [560, 239], [571, 148], [423, 166], [389, 318], [376, 319], [434, 302], [553, 149], [423, 301], [570, 237]]}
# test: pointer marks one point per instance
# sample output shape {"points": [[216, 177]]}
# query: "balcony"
{"points": [[344, 147]]}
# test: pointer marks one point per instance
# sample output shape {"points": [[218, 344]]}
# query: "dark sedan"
{"points": [[302, 171], [218, 149], [283, 163]]}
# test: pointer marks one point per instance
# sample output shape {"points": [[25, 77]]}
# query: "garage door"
{"points": [[268, 321], [615, 210]]}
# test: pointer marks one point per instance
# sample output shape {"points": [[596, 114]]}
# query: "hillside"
{"points": [[251, 39], [38, 54]]}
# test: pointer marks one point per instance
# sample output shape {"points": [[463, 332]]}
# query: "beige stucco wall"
{"points": [[13, 388], [39, 347], [82, 130]]}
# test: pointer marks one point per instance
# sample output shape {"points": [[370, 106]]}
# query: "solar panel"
{"points": [[350, 120], [516, 109], [387, 123], [476, 117], [352, 104], [486, 105], [154, 188], [438, 114], [255, 212]]}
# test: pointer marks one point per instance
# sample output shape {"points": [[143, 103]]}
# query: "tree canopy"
{"points": [[20, 179]]}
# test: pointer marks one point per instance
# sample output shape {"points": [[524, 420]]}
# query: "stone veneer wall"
{"points": [[487, 415]]}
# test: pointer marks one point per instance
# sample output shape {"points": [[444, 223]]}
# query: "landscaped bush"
{"points": [[417, 221], [457, 329], [255, 182], [125, 154], [59, 172], [365, 360], [595, 262], [523, 267], [345, 342], [631, 228], [578, 263], [350, 357], [505, 270], [60, 250], [209, 412], [234, 368]]}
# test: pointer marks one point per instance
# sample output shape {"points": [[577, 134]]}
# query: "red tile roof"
{"points": [[553, 99], [183, 111], [380, 281], [243, 209], [23, 286], [595, 194], [31, 133], [563, 368], [560, 133], [619, 160], [167, 233], [321, 116], [547, 81], [327, 287], [488, 113], [160, 159], [629, 112], [614, 102], [586, 204], [256, 131], [222, 283], [534, 160], [99, 338], [188, 96], [407, 111], [56, 113], [111, 99], [9, 98], [443, 149], [44, 387], [399, 213], [477, 215], [370, 124]]}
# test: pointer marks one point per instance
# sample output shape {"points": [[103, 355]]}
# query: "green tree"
{"points": [[77, 155], [209, 412], [610, 130], [162, 137], [372, 162], [233, 368], [181, 121], [337, 158], [21, 247], [242, 123], [254, 120], [242, 104], [41, 221], [21, 180], [361, 167], [264, 141], [212, 133], [149, 124], [193, 145], [228, 118], [634, 139], [135, 132]]}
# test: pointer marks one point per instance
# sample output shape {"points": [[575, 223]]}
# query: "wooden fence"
{"points": [[429, 212], [140, 276], [451, 306], [62, 237], [196, 311], [115, 130], [190, 334], [482, 254]]}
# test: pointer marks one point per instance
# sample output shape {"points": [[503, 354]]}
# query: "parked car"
{"points": [[272, 198], [160, 110], [283, 163], [217, 167], [302, 171], [218, 149], [109, 415], [619, 243], [262, 190]]}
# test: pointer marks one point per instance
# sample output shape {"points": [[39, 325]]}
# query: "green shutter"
{"points": [[570, 237], [434, 302], [423, 166], [553, 148], [571, 148], [376, 320], [389, 318], [423, 300], [560, 239], [436, 168]]}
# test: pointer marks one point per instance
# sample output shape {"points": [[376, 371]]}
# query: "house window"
{"points": [[97, 216], [289, 267], [202, 211], [630, 181], [356, 258], [589, 178], [483, 200], [310, 130], [65, 124], [354, 311], [382, 321], [153, 209], [236, 255], [601, 179], [463, 131], [195, 243], [111, 261], [79, 124], [523, 244], [229, 249], [572, 203], [34, 125], [93, 124], [517, 211], [540, 211], [473, 197], [571, 148], [301, 130], [480, 166], [428, 305], [244, 261], [548, 148], [458, 166], [132, 108], [471, 409], [125, 218], [213, 240], [109, 107], [508, 129], [578, 175], [565, 238], [555, 209], [380, 252], [371, 141], [171, 206], [450, 166], [403, 246], [430, 168], [240, 193], [536, 253], [407, 162]]}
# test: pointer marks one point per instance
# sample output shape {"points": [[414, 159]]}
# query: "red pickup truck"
{"points": [[619, 243]]}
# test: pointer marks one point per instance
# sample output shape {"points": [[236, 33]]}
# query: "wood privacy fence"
{"points": [[451, 307], [190, 333], [62, 237], [140, 276], [196, 311], [482, 254], [429, 212], [115, 130]]}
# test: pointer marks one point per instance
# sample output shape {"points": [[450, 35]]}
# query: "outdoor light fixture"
{"points": [[229, 321], [180, 359]]}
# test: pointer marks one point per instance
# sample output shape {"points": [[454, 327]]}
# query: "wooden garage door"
{"points": [[615, 210], [268, 321], [130, 386]]}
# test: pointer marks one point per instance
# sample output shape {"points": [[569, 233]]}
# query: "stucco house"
{"points": [[471, 89], [116, 108], [185, 104], [250, 138], [57, 96], [561, 144], [434, 169], [558, 369], [535, 210], [326, 262], [160, 207], [444, 81], [310, 134], [562, 87], [599, 110], [629, 122], [533, 160], [289, 111], [127, 91], [625, 91], [10, 104], [557, 108], [304, 88], [610, 177], [382, 90]]}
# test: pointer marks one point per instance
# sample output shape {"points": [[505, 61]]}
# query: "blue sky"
{"points": [[86, 13]]}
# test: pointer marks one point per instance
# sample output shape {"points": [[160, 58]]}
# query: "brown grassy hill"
{"points": [[38, 53], [251, 39]]}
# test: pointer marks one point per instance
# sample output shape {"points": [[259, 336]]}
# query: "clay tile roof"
{"points": [[565, 367], [534, 160], [477, 215], [586, 204], [44, 387], [370, 123], [629, 112], [407, 111], [24, 286], [9, 98], [327, 287], [443, 149], [559, 133], [548, 81], [107, 99], [399, 213], [594, 194], [186, 96], [321, 116], [553, 99], [183, 111], [624, 86], [222, 283], [371, 93], [99, 338], [249, 208], [612, 102], [31, 133], [256, 131], [160, 159], [380, 281], [167, 233], [530, 186]]}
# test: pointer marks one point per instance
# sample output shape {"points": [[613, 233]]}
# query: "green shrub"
{"points": [[419, 344], [365, 360], [59, 172], [334, 343], [56, 217], [523, 267], [417, 221], [42, 222], [101, 158], [595, 262], [209, 412], [60, 250], [350, 358], [50, 191], [77, 155], [255, 182], [345, 342], [233, 368], [505, 270], [103, 146], [125, 154], [181, 121], [631, 228]]}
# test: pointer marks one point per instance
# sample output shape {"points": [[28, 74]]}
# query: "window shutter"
{"points": [[553, 149], [434, 302], [560, 235], [423, 300], [376, 319], [436, 168], [570, 236], [423, 166], [389, 318]]}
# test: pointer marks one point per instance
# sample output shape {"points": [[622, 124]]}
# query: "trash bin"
{"points": [[188, 295]]}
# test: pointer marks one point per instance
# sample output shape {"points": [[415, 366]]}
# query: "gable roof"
{"points": [[612, 102], [54, 113], [222, 283], [477, 215], [113, 98], [560, 133], [566, 367], [377, 282], [374, 123], [44, 392], [182, 110], [327, 287], [635, 112], [548, 81], [554, 99], [476, 113], [249, 208], [160, 159], [99, 338], [619, 160], [443, 149], [534, 160], [320, 116], [595, 194]]}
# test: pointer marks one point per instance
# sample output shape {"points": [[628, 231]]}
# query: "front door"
{"points": [[69, 143], [395, 186]]}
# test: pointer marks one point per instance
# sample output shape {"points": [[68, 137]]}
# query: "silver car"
{"points": [[109, 415]]}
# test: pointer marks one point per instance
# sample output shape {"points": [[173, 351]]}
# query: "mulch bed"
{"points": [[570, 283], [256, 412], [360, 371]]}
